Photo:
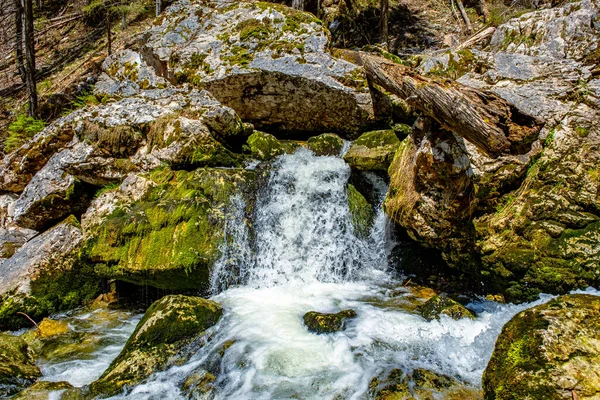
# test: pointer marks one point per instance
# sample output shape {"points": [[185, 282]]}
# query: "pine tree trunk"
{"points": [[29, 56], [19, 39], [108, 32], [384, 8], [158, 7]]}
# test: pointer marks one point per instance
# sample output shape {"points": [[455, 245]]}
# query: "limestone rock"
{"points": [[266, 61], [168, 325], [550, 351], [442, 305], [17, 365], [373, 151], [327, 144], [167, 235], [327, 323]]}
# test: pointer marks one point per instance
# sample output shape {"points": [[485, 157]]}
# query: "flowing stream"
{"points": [[305, 256]]}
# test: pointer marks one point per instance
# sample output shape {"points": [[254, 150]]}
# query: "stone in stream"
{"points": [[373, 151], [327, 144], [327, 323], [168, 326], [443, 305], [551, 352], [17, 365], [43, 390]]}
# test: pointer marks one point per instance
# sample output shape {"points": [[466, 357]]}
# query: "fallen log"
{"points": [[483, 118]]}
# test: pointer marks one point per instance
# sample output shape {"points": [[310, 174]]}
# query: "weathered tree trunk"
{"points": [[108, 31], [464, 15], [481, 117], [384, 8], [482, 9], [19, 39], [158, 6], [29, 56]]}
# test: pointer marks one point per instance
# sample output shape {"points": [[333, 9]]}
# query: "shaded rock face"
{"points": [[168, 325], [551, 351], [17, 365], [517, 224], [163, 229], [266, 61], [327, 323]]}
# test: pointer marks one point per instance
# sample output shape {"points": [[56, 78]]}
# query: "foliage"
{"points": [[21, 130]]}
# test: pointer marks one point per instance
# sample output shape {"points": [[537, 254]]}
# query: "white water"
{"points": [[306, 257]]}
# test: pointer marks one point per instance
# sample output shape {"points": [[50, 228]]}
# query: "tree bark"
{"points": [[158, 5], [19, 39], [464, 15], [384, 9], [29, 56], [108, 32], [482, 9], [493, 125]]}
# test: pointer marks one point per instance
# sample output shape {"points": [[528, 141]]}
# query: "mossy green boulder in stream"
{"points": [[43, 390], [264, 146], [361, 212], [327, 323], [443, 305], [373, 151], [551, 352], [17, 365], [327, 144], [168, 326], [168, 235]]}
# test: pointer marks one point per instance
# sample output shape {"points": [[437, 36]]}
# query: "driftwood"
{"points": [[476, 38], [493, 125]]}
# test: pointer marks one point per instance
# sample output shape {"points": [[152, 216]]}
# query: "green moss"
{"points": [[254, 29], [327, 144], [356, 79], [443, 305], [264, 146], [361, 212], [582, 131], [21, 130], [239, 56], [17, 366], [327, 323], [171, 237]]}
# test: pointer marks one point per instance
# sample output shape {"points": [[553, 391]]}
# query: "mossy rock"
{"points": [[327, 144], [42, 390], [443, 305], [264, 146], [373, 151], [550, 351], [166, 328], [199, 385], [327, 323], [17, 365], [393, 386], [171, 237], [361, 212]]}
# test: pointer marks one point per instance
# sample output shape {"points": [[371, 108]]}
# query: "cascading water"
{"points": [[304, 256]]}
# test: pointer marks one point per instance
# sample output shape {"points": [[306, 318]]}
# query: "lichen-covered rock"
{"points": [[551, 351], [442, 305], [361, 212], [327, 144], [373, 151], [43, 276], [327, 323], [266, 61], [43, 390], [170, 235], [17, 365], [519, 224], [168, 325]]}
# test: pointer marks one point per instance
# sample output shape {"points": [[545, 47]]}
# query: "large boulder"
{"points": [[373, 151], [525, 223], [44, 276], [167, 326], [551, 351], [164, 229], [327, 144], [17, 365], [266, 61]]}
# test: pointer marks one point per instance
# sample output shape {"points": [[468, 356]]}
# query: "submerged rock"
{"points": [[168, 325], [551, 351], [373, 151], [17, 365], [327, 144], [43, 390], [327, 323], [442, 305]]}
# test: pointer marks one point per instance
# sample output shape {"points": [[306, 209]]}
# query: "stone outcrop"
{"points": [[167, 326], [520, 223], [266, 61], [551, 351]]}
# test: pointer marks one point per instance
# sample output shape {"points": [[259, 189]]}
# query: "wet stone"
{"points": [[327, 323]]}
